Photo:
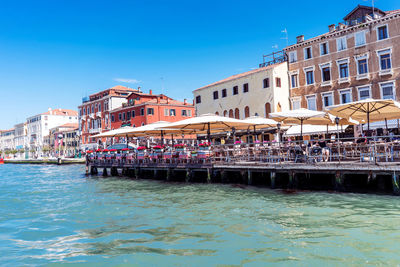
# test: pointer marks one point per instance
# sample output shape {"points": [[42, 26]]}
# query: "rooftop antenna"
{"points": [[286, 36]]}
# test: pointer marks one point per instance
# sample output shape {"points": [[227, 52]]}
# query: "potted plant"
{"points": [[204, 146], [180, 147]]}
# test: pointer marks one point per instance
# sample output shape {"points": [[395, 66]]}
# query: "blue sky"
{"points": [[52, 53]]}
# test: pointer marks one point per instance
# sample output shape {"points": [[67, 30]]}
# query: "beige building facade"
{"points": [[256, 92], [355, 60]]}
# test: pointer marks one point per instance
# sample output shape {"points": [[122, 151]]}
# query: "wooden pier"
{"points": [[365, 177]]}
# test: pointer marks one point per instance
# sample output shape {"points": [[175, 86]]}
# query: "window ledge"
{"points": [[344, 80], [386, 72], [363, 76], [360, 46], [327, 83]]}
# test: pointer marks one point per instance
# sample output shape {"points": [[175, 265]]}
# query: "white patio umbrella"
{"points": [[301, 116], [257, 122], [116, 132], [208, 122], [368, 110]]}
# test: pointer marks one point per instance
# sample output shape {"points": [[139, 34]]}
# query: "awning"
{"points": [[312, 129], [381, 124]]}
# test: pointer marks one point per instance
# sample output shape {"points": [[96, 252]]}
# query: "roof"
{"points": [[70, 125], [121, 87], [170, 102], [240, 75], [61, 112], [361, 6]]}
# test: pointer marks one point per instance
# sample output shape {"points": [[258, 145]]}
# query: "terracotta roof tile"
{"points": [[61, 112]]}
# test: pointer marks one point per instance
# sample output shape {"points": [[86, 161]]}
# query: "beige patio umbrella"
{"points": [[208, 123], [257, 122], [368, 110], [116, 132], [302, 116]]}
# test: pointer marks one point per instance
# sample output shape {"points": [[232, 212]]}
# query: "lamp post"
{"points": [[278, 125], [337, 127]]}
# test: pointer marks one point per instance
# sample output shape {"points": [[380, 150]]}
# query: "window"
{"points": [[345, 96], [323, 49], [184, 113], [245, 88], [296, 103], [99, 107], [128, 115], [123, 116], [359, 38], [326, 74], [142, 112], [387, 90], [172, 112], [293, 80], [311, 102], [198, 99], [278, 82], [223, 93], [384, 59], [189, 113], [327, 99], [237, 116], [166, 112], [364, 92], [246, 112], [382, 32], [266, 82], [343, 70], [267, 109], [225, 113], [92, 109], [150, 111], [341, 43], [310, 77], [292, 57], [235, 90], [362, 66], [215, 94], [119, 116], [307, 53], [133, 114]]}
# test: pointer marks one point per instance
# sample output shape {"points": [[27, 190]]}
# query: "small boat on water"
{"points": [[1, 161]]}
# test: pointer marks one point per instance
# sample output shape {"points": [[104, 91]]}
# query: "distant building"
{"points": [[354, 60], [7, 140], [94, 113], [21, 140], [39, 126], [64, 140], [141, 109], [256, 92]]}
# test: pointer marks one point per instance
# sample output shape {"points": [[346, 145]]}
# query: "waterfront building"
{"points": [[39, 126], [7, 140], [64, 140], [354, 60], [141, 109], [21, 140], [256, 92], [94, 113]]}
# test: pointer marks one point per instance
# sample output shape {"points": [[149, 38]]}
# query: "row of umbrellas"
{"points": [[364, 111]]}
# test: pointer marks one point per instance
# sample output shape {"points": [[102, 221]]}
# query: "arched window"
{"points": [[230, 113], [246, 112], [225, 113], [217, 113], [237, 113], [267, 109]]}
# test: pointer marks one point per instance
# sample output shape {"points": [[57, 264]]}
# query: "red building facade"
{"points": [[141, 109]]}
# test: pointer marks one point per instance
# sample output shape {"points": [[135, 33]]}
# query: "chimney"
{"points": [[139, 89], [158, 100], [184, 101], [151, 92], [300, 39], [341, 26], [332, 27], [49, 111]]}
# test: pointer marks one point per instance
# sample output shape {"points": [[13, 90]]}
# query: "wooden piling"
{"points": [[339, 181], [396, 184], [208, 175], [105, 172], [249, 177], [273, 177], [189, 175]]}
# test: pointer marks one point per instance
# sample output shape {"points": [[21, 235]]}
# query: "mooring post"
{"points": [[114, 171], [339, 181], [168, 178], [208, 175], [155, 173], [396, 184], [137, 171], [223, 176], [273, 177], [249, 177], [292, 179], [188, 175], [105, 172]]}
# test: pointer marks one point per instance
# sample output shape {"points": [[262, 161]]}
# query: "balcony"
{"points": [[386, 72], [363, 76], [326, 83], [95, 130], [344, 80], [98, 114]]}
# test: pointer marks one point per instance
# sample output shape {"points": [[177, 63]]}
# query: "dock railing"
{"points": [[362, 149]]}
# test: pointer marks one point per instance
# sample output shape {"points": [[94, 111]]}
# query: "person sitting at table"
{"points": [[325, 149], [360, 139]]}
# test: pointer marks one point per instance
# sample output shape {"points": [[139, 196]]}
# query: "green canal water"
{"points": [[51, 215]]}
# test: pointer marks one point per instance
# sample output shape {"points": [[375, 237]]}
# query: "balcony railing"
{"points": [[95, 130]]}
